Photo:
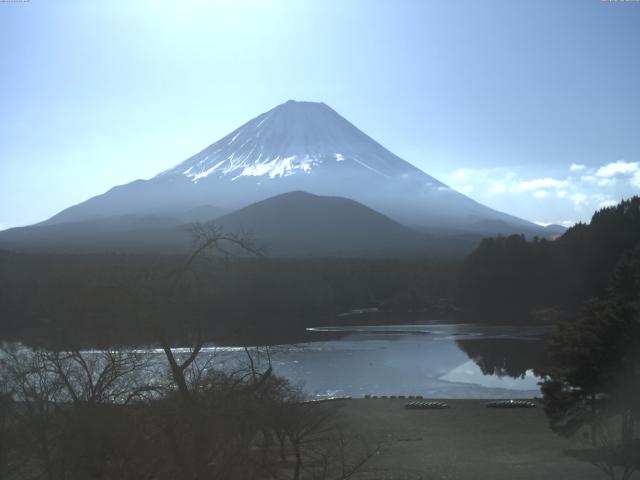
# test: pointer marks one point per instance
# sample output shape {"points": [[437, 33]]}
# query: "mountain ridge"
{"points": [[299, 222], [293, 224], [301, 146]]}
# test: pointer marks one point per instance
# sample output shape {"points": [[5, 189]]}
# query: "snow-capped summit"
{"points": [[294, 137], [299, 146]]}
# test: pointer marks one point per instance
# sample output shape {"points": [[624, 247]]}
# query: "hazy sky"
{"points": [[531, 107]]}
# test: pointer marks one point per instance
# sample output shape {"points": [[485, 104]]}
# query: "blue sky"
{"points": [[531, 107]]}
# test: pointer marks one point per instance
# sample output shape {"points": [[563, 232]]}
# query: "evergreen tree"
{"points": [[595, 378]]}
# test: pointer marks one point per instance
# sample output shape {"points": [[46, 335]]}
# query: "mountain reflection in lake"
{"points": [[434, 360]]}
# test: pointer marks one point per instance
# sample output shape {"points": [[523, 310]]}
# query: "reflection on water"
{"points": [[434, 360], [505, 357]]}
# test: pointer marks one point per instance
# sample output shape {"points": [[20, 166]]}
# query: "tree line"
{"points": [[545, 280], [110, 298]]}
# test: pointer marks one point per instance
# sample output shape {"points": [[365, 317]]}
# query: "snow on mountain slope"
{"points": [[293, 138]]}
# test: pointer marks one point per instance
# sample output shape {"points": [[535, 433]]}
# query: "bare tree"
{"points": [[210, 241], [74, 412], [118, 413], [341, 455], [109, 376], [313, 433], [37, 393], [7, 410]]}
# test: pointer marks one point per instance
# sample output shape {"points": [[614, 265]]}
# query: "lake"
{"points": [[431, 359]]}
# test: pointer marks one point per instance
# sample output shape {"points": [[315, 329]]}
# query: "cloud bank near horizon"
{"points": [[561, 199]]}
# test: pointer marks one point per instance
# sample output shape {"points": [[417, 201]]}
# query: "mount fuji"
{"points": [[296, 146]]}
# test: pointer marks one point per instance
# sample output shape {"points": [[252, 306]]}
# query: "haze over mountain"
{"points": [[300, 146], [293, 224], [299, 223], [385, 205]]}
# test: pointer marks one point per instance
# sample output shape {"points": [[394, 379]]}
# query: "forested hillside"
{"points": [[510, 276], [116, 297]]}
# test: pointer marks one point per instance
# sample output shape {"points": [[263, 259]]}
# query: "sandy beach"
{"points": [[466, 441]]}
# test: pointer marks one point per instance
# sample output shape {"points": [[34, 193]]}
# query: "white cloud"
{"points": [[618, 168], [578, 199], [498, 188], [489, 180], [574, 195], [607, 182], [540, 193], [539, 183], [462, 174], [607, 203], [568, 223]]}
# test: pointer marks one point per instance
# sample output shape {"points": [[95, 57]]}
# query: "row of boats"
{"points": [[429, 405]]}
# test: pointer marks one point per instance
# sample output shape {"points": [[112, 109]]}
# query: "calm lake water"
{"points": [[433, 360]]}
